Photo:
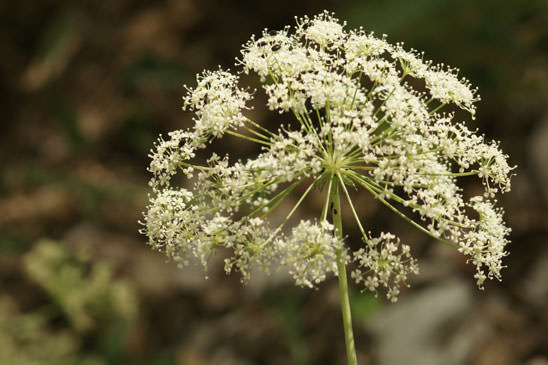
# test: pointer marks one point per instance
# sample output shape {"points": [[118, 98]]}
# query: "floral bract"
{"points": [[361, 124]]}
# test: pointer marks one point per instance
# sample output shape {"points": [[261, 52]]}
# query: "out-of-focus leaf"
{"points": [[364, 305], [88, 299], [289, 308], [25, 339], [151, 71], [65, 117], [12, 243], [61, 41]]}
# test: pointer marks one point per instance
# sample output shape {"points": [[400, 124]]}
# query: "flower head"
{"points": [[311, 252], [361, 123]]}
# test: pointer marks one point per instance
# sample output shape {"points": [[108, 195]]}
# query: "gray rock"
{"points": [[434, 326], [535, 285]]}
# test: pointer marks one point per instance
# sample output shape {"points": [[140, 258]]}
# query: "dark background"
{"points": [[87, 87]]}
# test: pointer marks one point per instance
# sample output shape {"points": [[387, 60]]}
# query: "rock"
{"points": [[434, 326], [535, 289]]}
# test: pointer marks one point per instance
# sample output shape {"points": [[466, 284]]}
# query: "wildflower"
{"points": [[388, 263], [360, 124], [311, 252]]}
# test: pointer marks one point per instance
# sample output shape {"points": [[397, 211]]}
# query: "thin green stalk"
{"points": [[437, 108], [370, 188], [236, 134], [280, 198], [326, 205], [258, 134], [456, 174], [341, 270], [197, 167], [301, 121], [379, 188], [256, 125], [353, 209], [366, 168], [275, 200], [290, 213], [319, 117], [354, 152], [371, 90], [307, 117], [356, 91], [383, 102], [247, 195]]}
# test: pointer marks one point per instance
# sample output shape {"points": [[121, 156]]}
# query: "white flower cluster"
{"points": [[485, 242], [217, 102], [311, 252], [362, 124], [384, 262]]}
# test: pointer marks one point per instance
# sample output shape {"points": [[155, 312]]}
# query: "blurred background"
{"points": [[87, 87]]}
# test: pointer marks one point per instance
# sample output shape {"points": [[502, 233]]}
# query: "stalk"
{"points": [[341, 269]]}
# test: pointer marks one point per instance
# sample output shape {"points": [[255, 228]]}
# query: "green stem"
{"points": [[258, 134], [376, 194], [280, 198], [236, 134], [353, 209], [341, 270], [286, 219], [437, 108], [259, 127], [328, 200], [356, 91]]}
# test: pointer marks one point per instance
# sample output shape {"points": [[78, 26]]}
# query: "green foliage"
{"points": [[364, 305], [25, 339], [86, 305], [86, 300], [153, 71], [289, 310]]}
